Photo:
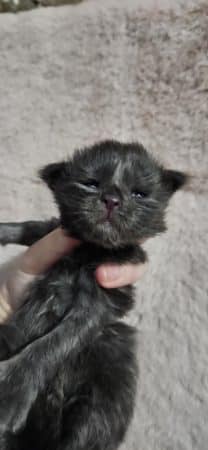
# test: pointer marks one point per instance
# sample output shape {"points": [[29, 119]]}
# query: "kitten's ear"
{"points": [[174, 180], [52, 173]]}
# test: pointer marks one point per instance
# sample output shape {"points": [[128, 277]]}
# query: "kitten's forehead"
{"points": [[125, 169], [120, 162], [118, 173], [129, 165]]}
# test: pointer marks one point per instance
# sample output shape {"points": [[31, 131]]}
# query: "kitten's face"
{"points": [[112, 194]]}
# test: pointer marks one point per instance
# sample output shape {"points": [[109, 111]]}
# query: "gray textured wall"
{"points": [[73, 75]]}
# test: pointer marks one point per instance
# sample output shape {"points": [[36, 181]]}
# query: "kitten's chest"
{"points": [[70, 289], [73, 288]]}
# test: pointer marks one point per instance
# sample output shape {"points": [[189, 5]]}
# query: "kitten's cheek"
{"points": [[112, 276]]}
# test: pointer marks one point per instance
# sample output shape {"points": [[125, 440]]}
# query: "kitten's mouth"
{"points": [[107, 218]]}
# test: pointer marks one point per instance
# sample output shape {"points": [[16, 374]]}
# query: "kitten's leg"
{"points": [[11, 338], [48, 302], [30, 371], [42, 309], [26, 233], [91, 431], [99, 417]]}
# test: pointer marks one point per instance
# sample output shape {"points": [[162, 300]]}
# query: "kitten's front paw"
{"points": [[10, 340], [4, 349], [5, 233], [4, 345]]}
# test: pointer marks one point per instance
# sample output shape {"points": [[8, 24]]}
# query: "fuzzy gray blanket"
{"points": [[76, 74]]}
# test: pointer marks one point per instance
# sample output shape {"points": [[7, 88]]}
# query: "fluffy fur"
{"points": [[68, 370]]}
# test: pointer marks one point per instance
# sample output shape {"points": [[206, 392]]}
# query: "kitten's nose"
{"points": [[111, 201]]}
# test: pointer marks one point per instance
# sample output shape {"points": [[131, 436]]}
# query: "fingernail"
{"points": [[111, 273]]}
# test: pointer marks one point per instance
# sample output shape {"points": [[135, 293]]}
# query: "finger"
{"points": [[112, 275], [5, 308], [47, 251]]}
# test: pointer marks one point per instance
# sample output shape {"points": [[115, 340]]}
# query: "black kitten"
{"points": [[68, 369]]}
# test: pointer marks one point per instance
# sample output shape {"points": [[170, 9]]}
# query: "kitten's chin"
{"points": [[103, 236], [106, 235]]}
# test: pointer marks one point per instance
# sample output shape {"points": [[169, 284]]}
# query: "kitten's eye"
{"points": [[139, 194], [93, 184]]}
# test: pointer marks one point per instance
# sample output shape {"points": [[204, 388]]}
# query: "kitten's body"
{"points": [[68, 371]]}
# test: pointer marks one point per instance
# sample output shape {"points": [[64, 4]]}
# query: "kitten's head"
{"points": [[112, 194]]}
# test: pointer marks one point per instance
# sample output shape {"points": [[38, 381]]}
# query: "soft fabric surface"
{"points": [[74, 75]]}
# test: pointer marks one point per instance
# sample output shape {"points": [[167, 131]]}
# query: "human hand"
{"points": [[41, 256]]}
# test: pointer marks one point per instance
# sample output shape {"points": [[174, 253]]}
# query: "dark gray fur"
{"points": [[68, 370]]}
